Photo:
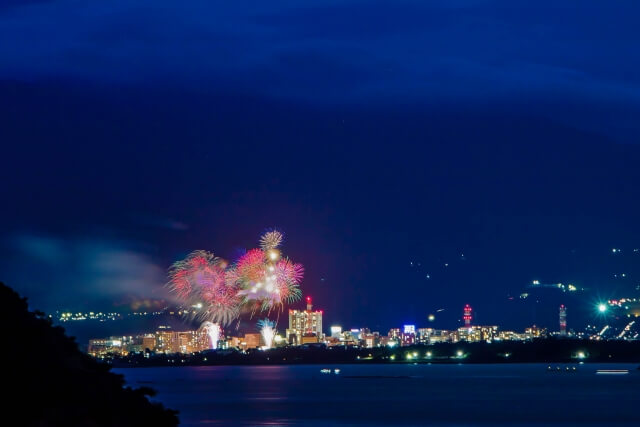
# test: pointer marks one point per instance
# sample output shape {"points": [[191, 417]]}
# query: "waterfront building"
{"points": [[253, 340], [307, 322], [440, 335], [371, 340], [423, 335]]}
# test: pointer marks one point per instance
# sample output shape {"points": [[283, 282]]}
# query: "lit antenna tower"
{"points": [[563, 320], [467, 315]]}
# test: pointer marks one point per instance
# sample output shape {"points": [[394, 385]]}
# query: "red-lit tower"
{"points": [[308, 323], [467, 315], [563, 320]]}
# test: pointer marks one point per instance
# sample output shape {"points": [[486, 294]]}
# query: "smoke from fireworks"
{"points": [[268, 331], [262, 279], [213, 330]]}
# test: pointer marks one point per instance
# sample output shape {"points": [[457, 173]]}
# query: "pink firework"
{"points": [[289, 271], [200, 279], [288, 276], [251, 265]]}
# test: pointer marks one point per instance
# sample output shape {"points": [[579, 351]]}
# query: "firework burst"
{"points": [[265, 279], [201, 280], [261, 280], [271, 240], [267, 329]]}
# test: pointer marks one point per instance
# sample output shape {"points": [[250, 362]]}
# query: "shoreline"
{"points": [[544, 351]]}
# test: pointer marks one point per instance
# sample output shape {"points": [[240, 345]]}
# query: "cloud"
{"points": [[543, 56], [160, 222], [70, 273]]}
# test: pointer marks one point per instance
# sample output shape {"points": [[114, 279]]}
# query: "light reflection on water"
{"points": [[446, 395]]}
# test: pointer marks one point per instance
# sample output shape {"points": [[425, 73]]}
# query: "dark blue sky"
{"points": [[373, 135]]}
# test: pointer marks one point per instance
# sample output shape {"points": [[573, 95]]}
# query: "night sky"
{"points": [[418, 155]]}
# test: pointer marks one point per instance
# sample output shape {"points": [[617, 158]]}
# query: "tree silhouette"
{"points": [[48, 381]]}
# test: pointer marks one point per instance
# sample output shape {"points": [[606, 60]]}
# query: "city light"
{"points": [[602, 307]]}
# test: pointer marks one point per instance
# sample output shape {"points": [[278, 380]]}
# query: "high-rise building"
{"points": [[563, 320], [307, 324], [409, 335], [467, 315]]}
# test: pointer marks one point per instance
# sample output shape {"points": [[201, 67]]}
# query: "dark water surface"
{"points": [[408, 395]]}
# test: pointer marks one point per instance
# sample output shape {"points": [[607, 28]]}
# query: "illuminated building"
{"points": [[440, 335], [108, 346], [336, 331], [563, 320], [350, 338], [370, 340], [394, 334], [251, 341], [309, 339], [148, 342], [234, 342], [535, 332], [181, 342], [307, 323], [477, 333], [467, 315], [423, 335], [408, 335], [332, 341]]}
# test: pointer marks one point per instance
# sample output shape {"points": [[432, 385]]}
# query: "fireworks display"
{"points": [[270, 240], [267, 329], [213, 330], [260, 280], [265, 279], [200, 280]]}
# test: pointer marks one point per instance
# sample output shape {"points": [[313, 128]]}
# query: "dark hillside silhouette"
{"points": [[49, 382]]}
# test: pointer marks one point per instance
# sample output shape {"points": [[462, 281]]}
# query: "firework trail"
{"points": [[267, 329], [213, 330]]}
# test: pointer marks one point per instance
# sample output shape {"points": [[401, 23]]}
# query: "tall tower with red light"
{"points": [[305, 326], [563, 320], [467, 315]]}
